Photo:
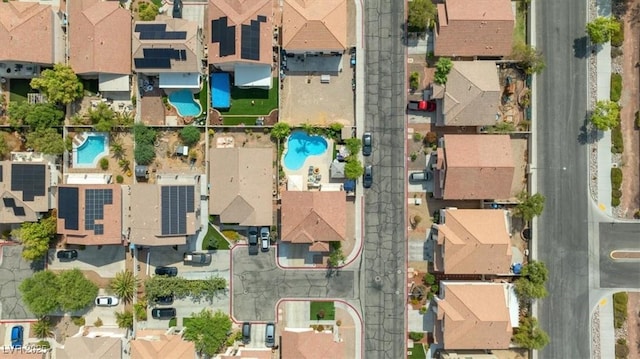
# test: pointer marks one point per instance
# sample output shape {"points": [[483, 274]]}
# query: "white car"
{"points": [[107, 301]]}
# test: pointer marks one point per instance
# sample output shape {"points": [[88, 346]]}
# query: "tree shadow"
{"points": [[580, 47], [588, 134]]}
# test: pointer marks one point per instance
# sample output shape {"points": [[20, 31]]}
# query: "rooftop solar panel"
{"points": [[150, 27], [262, 18], [19, 211], [224, 35], [176, 202], [1, 173], [9, 202], [152, 63], [68, 207], [28, 179], [94, 202], [250, 41]]}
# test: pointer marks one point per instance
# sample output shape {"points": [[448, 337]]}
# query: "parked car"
{"points": [[164, 300], [17, 336], [270, 335], [197, 258], [168, 271], [353, 59], [265, 239], [367, 142], [253, 240], [367, 178], [426, 106], [163, 313], [420, 176], [246, 332], [107, 301], [67, 255]]}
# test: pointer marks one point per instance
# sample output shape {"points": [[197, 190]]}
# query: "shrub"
{"points": [[44, 344], [416, 336], [430, 138], [636, 215], [434, 288], [417, 136], [423, 310], [615, 202], [616, 87], [620, 301], [104, 163], [79, 321], [622, 351], [190, 135], [616, 193], [119, 179], [616, 178], [616, 52], [617, 36], [617, 143], [414, 156], [231, 235], [414, 80], [98, 322], [637, 121], [429, 279], [443, 67]]}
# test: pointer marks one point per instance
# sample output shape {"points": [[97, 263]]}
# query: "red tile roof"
{"points": [[309, 217], [26, 32], [311, 345], [314, 25]]}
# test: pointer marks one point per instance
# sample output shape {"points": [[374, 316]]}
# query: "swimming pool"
{"points": [[184, 103], [300, 145], [89, 148]]}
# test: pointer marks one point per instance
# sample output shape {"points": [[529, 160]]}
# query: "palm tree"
{"points": [[124, 285], [118, 150], [42, 328], [124, 319]]}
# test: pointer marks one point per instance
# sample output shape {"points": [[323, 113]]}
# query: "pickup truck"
{"points": [[197, 258]]}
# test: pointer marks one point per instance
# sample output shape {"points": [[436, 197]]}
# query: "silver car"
{"points": [[265, 241]]}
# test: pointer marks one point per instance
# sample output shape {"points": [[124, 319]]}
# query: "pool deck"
{"points": [[322, 161]]}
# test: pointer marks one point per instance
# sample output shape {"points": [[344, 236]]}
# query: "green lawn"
{"points": [[214, 240], [236, 120], [203, 96], [328, 308], [519, 33], [418, 352], [18, 90], [263, 101]]}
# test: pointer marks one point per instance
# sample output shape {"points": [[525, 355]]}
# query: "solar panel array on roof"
{"points": [[250, 41], [224, 35], [153, 63], [68, 207], [28, 179], [11, 203], [94, 202], [163, 35], [162, 53], [150, 28], [1, 173], [176, 202]]}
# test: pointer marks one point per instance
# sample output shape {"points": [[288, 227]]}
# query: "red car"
{"points": [[427, 106]]}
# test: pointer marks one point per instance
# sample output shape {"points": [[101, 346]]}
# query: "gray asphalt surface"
{"points": [[13, 270], [383, 268], [619, 273], [563, 229]]}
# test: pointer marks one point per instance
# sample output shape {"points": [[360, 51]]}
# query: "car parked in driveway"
{"points": [[164, 300], [163, 313], [17, 334], [67, 255], [252, 238], [197, 258], [270, 335], [367, 142], [246, 332], [367, 177], [265, 239], [107, 301], [168, 271]]}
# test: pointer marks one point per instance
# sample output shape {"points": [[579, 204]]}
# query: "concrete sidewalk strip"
{"points": [[607, 332]]}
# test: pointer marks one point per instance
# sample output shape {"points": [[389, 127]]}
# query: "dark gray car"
{"points": [[367, 142], [270, 335], [252, 238], [163, 313], [367, 178]]}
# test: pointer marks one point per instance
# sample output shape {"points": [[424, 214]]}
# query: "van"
{"points": [[16, 336], [246, 332], [270, 335], [163, 313]]}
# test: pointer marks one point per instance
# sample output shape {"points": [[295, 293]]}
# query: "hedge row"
{"points": [[616, 182], [620, 301], [616, 87], [617, 143], [618, 36]]}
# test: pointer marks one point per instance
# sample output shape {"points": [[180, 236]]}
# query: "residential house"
{"points": [[314, 26], [86, 347], [242, 185], [314, 218], [475, 315], [100, 43], [474, 167], [247, 353], [309, 344], [473, 241], [471, 96], [162, 214], [170, 49], [90, 214], [479, 28], [31, 35], [466, 354], [154, 343], [242, 40], [27, 190]]}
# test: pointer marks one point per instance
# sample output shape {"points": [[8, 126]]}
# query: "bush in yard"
{"points": [[416, 336], [60, 85], [104, 163], [434, 289], [529, 334], [617, 36], [616, 87], [443, 67], [617, 142], [119, 179], [280, 130], [429, 279], [417, 136], [144, 154], [620, 301], [124, 319], [147, 11], [353, 146], [98, 322], [616, 193], [615, 202], [430, 138], [530, 59], [601, 29], [616, 177], [353, 168], [79, 321], [414, 81], [637, 119], [190, 135], [421, 13], [622, 351], [124, 285]]}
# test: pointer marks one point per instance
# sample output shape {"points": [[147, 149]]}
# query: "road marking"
{"points": [[603, 302], [602, 207], [629, 255]]}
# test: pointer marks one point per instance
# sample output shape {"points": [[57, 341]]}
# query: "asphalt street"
{"points": [[383, 290], [13, 270], [563, 237], [619, 273]]}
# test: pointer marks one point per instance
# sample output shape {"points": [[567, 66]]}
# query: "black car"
{"points": [[367, 178], [163, 313], [67, 255], [253, 240], [367, 142], [164, 300], [246, 332], [168, 271]]}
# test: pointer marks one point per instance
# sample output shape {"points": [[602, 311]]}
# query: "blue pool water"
{"points": [[93, 147], [300, 145], [185, 104]]}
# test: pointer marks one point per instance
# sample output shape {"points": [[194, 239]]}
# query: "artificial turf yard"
{"points": [[328, 308], [213, 240], [264, 101]]}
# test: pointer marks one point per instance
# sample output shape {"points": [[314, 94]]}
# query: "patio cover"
{"points": [[88, 178], [331, 187], [295, 183], [337, 169], [253, 76], [179, 80], [113, 83]]}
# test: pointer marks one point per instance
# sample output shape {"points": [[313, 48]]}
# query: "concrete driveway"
{"points": [[106, 261], [13, 270], [106, 314], [167, 256], [186, 307]]}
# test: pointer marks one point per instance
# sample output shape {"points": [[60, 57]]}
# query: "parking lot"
{"points": [[106, 261]]}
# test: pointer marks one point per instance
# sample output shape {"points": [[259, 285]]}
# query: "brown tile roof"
{"points": [[99, 37], [146, 216], [8, 192], [477, 167], [112, 217], [472, 94], [474, 28], [152, 344], [238, 13], [314, 25], [26, 32], [476, 241], [475, 315], [310, 345], [241, 185], [191, 45], [309, 217], [95, 348]]}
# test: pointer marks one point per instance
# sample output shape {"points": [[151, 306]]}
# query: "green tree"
{"points": [[414, 81], [336, 256], [124, 319], [528, 291], [60, 85], [158, 286], [102, 118], [529, 206], [530, 59], [190, 135], [37, 116], [443, 68], [421, 14], [42, 329], [144, 154], [147, 11], [536, 271], [17, 112], [144, 134], [140, 310], [601, 29], [124, 285], [208, 331], [40, 292], [280, 130], [606, 115], [47, 141], [353, 168], [353, 145], [4, 148], [77, 292], [35, 238], [529, 334]]}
